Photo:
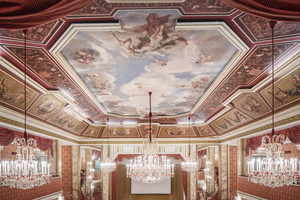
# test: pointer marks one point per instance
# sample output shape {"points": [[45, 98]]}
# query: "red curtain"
{"points": [[7, 136], [292, 133], [20, 14], [43, 143], [184, 182], [253, 143], [281, 10], [202, 153]]}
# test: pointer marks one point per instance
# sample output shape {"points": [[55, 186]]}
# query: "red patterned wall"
{"points": [[54, 186], [283, 193], [66, 170], [233, 171], [6, 153], [291, 151], [201, 175]]}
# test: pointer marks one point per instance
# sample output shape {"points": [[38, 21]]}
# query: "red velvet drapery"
{"points": [[281, 10], [20, 14], [7, 136], [202, 153], [120, 157], [292, 133]]}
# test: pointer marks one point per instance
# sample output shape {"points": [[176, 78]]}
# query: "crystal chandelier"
{"points": [[108, 165], [189, 165], [24, 172], [271, 169], [149, 167]]}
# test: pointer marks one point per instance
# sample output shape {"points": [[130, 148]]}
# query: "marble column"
{"points": [[52, 158], [105, 177], [76, 171], [58, 157], [241, 157], [210, 170], [88, 167], [223, 172], [193, 176]]}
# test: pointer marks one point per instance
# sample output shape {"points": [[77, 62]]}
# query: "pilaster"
{"points": [[241, 157], [58, 156], [210, 170], [75, 171], [223, 172], [88, 167]]}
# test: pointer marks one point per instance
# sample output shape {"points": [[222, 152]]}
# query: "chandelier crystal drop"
{"points": [[150, 167], [107, 165], [25, 171], [272, 169], [190, 165]]}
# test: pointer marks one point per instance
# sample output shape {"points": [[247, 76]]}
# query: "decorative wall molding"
{"points": [[52, 196], [246, 196]]}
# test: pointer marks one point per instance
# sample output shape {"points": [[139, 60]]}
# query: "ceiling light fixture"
{"points": [[25, 172], [190, 165], [108, 165], [149, 167], [272, 169]]}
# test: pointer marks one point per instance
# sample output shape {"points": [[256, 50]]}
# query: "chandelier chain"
{"points": [[272, 25], [189, 135], [150, 117], [25, 31], [190, 165], [107, 164]]}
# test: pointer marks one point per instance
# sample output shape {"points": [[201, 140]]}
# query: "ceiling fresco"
{"points": [[255, 28], [176, 132], [148, 54], [145, 130], [102, 8], [68, 122], [254, 65], [251, 104], [12, 91], [46, 106], [92, 131], [205, 131], [118, 52], [40, 63], [286, 89], [39, 34], [230, 120], [120, 132]]}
